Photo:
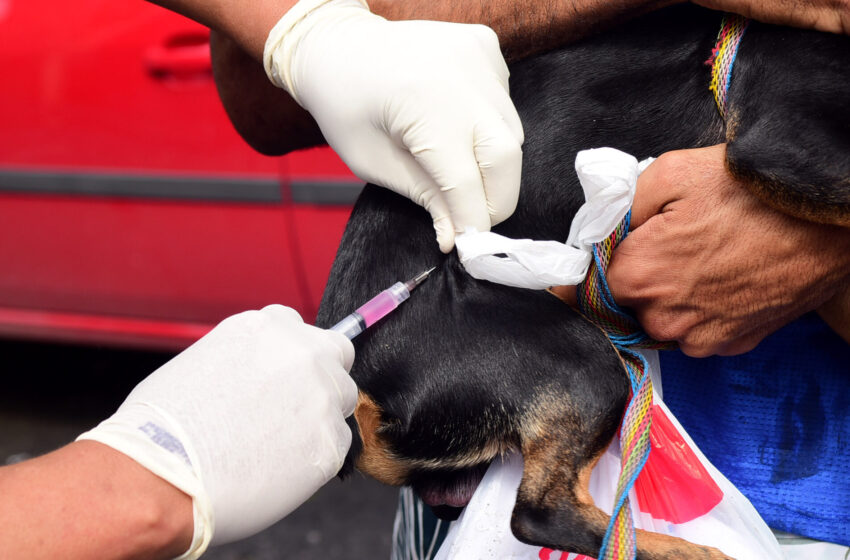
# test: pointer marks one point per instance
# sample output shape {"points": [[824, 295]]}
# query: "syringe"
{"points": [[378, 307]]}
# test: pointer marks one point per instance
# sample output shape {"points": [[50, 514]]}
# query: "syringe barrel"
{"points": [[382, 304], [350, 326]]}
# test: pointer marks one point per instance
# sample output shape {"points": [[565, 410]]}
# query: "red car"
{"points": [[131, 212]]}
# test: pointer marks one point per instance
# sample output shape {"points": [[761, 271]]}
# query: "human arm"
{"points": [[271, 122], [88, 501], [274, 124], [832, 16], [407, 119], [755, 257], [712, 267], [222, 441], [421, 108], [247, 23], [266, 117]]}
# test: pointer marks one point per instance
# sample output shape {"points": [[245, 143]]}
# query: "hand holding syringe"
{"points": [[378, 307]]}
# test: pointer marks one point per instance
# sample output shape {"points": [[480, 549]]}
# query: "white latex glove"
{"points": [[420, 107], [249, 421]]}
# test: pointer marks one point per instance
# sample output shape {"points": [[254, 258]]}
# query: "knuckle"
{"points": [[350, 392], [667, 166], [248, 318], [662, 327], [501, 212], [503, 149], [700, 343], [322, 404], [463, 180], [669, 160], [695, 350], [428, 198], [486, 36]]}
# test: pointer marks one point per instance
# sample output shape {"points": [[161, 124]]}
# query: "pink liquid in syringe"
{"points": [[378, 307]]}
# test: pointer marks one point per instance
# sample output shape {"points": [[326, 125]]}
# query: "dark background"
{"points": [[50, 393]]}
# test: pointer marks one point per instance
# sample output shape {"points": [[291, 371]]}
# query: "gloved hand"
{"points": [[249, 421], [420, 107]]}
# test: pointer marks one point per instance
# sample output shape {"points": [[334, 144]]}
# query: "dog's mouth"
{"points": [[450, 488]]}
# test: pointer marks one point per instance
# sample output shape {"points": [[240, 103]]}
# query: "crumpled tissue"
{"points": [[608, 178]]}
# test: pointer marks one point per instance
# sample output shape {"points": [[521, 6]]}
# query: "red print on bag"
{"points": [[674, 485], [547, 554]]}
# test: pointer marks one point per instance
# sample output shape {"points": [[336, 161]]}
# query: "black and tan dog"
{"points": [[469, 369]]}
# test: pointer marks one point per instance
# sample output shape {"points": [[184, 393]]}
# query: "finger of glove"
{"points": [[390, 164], [500, 100], [282, 314], [336, 354], [346, 389], [447, 155], [345, 347], [337, 441], [435, 204], [285, 315], [489, 42], [499, 158]]}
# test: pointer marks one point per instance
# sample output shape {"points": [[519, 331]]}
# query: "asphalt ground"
{"points": [[50, 393]]}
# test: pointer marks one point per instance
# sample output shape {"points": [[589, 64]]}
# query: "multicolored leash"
{"points": [[597, 304], [723, 55]]}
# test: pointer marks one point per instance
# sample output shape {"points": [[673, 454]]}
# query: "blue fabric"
{"points": [[776, 422]]}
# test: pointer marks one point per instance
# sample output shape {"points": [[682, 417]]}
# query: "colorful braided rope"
{"points": [[597, 304], [723, 55]]}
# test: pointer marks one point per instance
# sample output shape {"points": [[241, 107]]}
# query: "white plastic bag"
{"points": [[678, 493], [608, 178]]}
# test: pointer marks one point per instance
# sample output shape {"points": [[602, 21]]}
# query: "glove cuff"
{"points": [[149, 436], [284, 37]]}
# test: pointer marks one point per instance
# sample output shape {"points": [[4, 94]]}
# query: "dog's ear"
{"points": [[788, 129]]}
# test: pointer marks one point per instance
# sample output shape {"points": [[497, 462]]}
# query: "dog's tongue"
{"points": [[451, 490]]}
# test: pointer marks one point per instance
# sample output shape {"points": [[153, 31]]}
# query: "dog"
{"points": [[468, 370]]}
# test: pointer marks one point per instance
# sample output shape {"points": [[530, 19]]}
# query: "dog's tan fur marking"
{"points": [[553, 477], [474, 457], [376, 459]]}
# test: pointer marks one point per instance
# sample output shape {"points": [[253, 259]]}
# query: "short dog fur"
{"points": [[469, 369]]}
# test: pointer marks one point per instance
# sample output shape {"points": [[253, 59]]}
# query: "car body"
{"points": [[131, 212]]}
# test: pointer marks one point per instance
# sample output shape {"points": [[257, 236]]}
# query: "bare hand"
{"points": [[711, 267]]}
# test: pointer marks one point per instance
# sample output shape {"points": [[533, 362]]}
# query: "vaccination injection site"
{"points": [[365, 279]]}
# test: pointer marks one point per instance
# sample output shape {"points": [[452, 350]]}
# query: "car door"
{"points": [[130, 210]]}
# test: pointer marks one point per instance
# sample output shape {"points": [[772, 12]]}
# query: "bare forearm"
{"points": [[269, 120], [273, 124], [89, 501], [265, 116], [525, 28], [832, 16], [248, 23]]}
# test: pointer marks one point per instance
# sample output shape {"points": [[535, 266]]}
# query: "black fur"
{"points": [[466, 362], [789, 131]]}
